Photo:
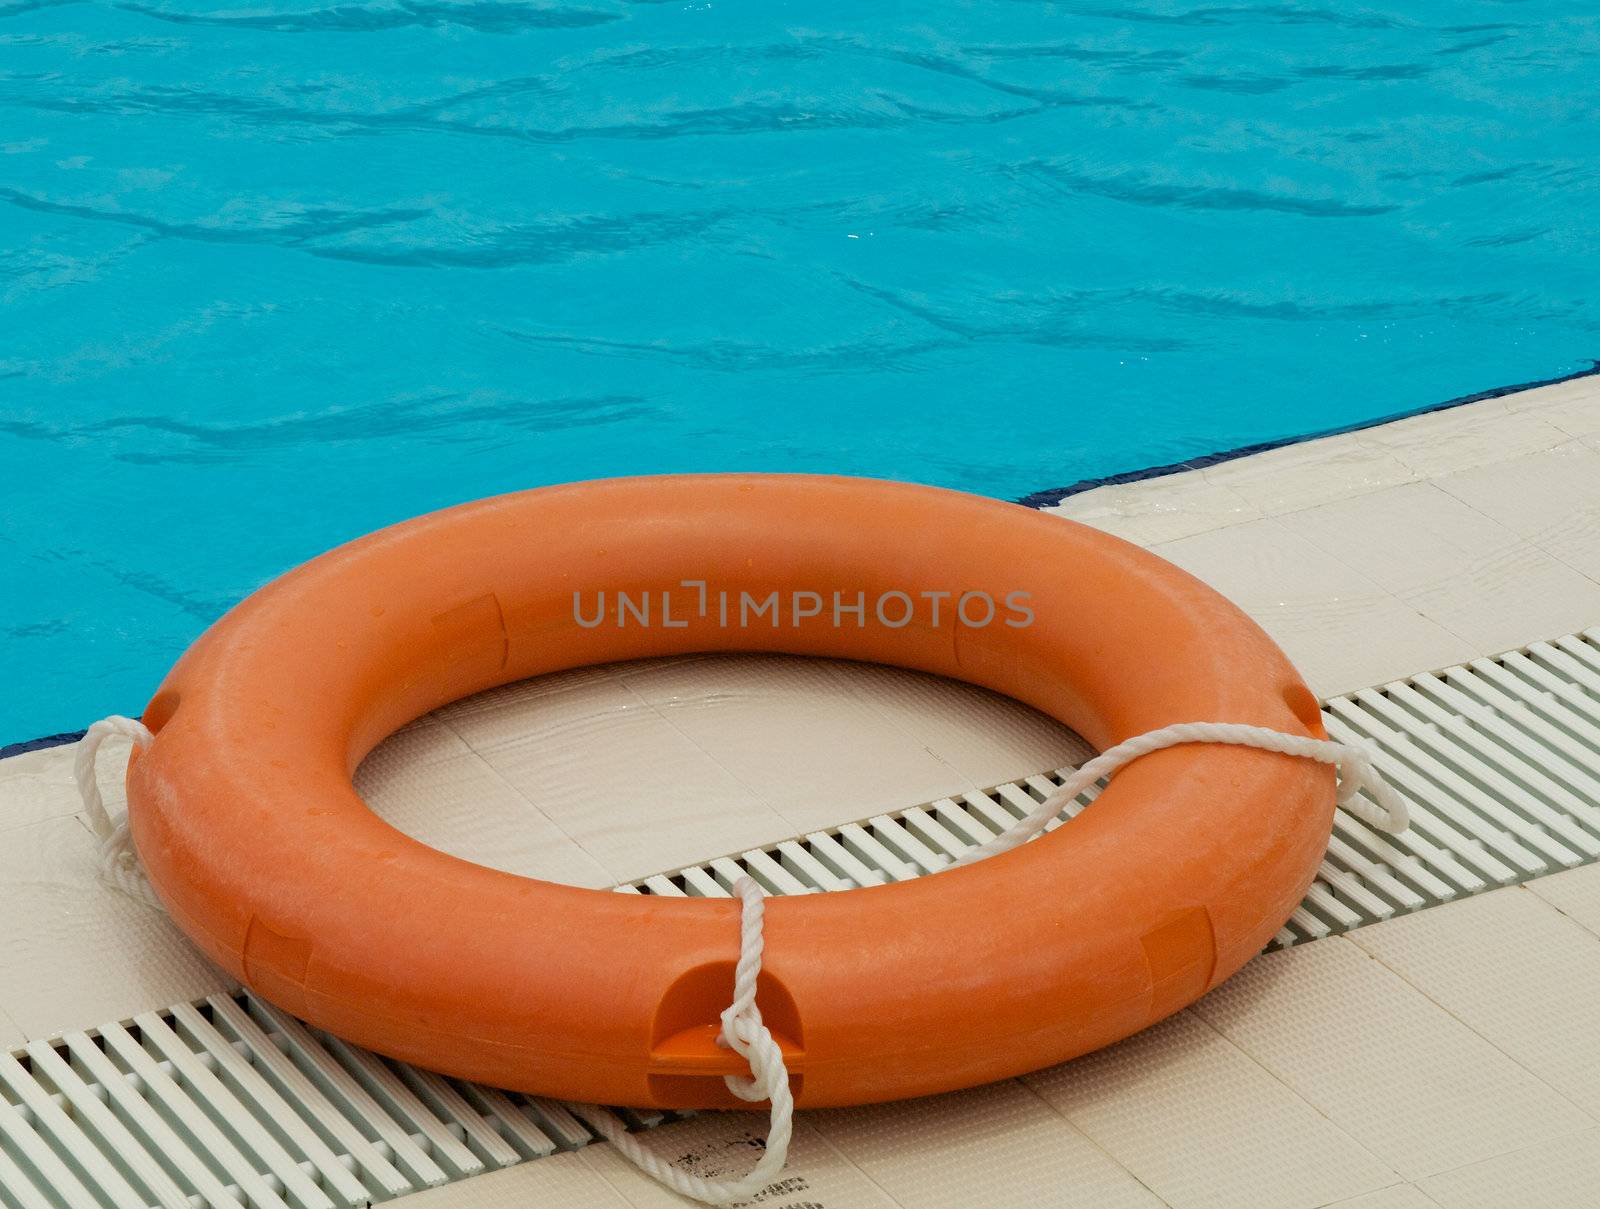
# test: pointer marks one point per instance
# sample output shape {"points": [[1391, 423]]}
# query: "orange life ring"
{"points": [[243, 812]]}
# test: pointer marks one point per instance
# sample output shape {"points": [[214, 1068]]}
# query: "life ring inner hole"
{"points": [[560, 776]]}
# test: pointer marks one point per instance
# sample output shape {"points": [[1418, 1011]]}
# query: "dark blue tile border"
{"points": [[1044, 499], [27, 745]]}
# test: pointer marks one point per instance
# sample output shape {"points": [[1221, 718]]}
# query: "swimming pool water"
{"points": [[274, 274]]}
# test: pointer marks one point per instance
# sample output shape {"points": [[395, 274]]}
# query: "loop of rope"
{"points": [[119, 863], [742, 1027], [1354, 764], [745, 1034]]}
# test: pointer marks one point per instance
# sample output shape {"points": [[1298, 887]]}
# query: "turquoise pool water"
{"points": [[275, 274]]}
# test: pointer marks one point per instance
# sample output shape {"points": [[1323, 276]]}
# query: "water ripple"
{"points": [[1472, 44], [201, 606], [735, 356], [944, 65], [1241, 83], [1049, 320], [744, 119], [1366, 71], [531, 243], [440, 416], [18, 7], [1264, 14], [481, 16], [674, 58], [1138, 189], [296, 225], [1135, 61]]}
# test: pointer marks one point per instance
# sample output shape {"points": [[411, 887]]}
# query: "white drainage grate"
{"points": [[231, 1104], [1500, 759]]}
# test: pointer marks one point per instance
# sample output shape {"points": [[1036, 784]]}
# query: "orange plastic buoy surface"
{"points": [[244, 816]]}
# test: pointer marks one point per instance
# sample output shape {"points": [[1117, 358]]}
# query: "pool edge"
{"points": [[1054, 495]]}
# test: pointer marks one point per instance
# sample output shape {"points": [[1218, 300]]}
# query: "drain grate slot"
{"points": [[229, 1103]]}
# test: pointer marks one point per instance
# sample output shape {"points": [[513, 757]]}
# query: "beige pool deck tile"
{"points": [[1340, 628], [1305, 475], [1453, 564], [1573, 892], [1517, 972], [1550, 499], [1557, 1173], [988, 1146], [38, 786], [501, 717], [427, 782], [11, 1034], [1384, 605], [1572, 406], [608, 770], [74, 952], [769, 718], [562, 1181], [1184, 504], [1204, 1126], [1378, 1058], [722, 1145], [1461, 438], [1401, 1196], [987, 738]]}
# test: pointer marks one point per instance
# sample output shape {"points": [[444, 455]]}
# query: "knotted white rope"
{"points": [[1354, 765], [745, 1034], [742, 1028], [119, 863]]}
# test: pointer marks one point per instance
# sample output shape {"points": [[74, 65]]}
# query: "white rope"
{"points": [[745, 1034], [119, 863], [742, 1029], [1354, 764]]}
